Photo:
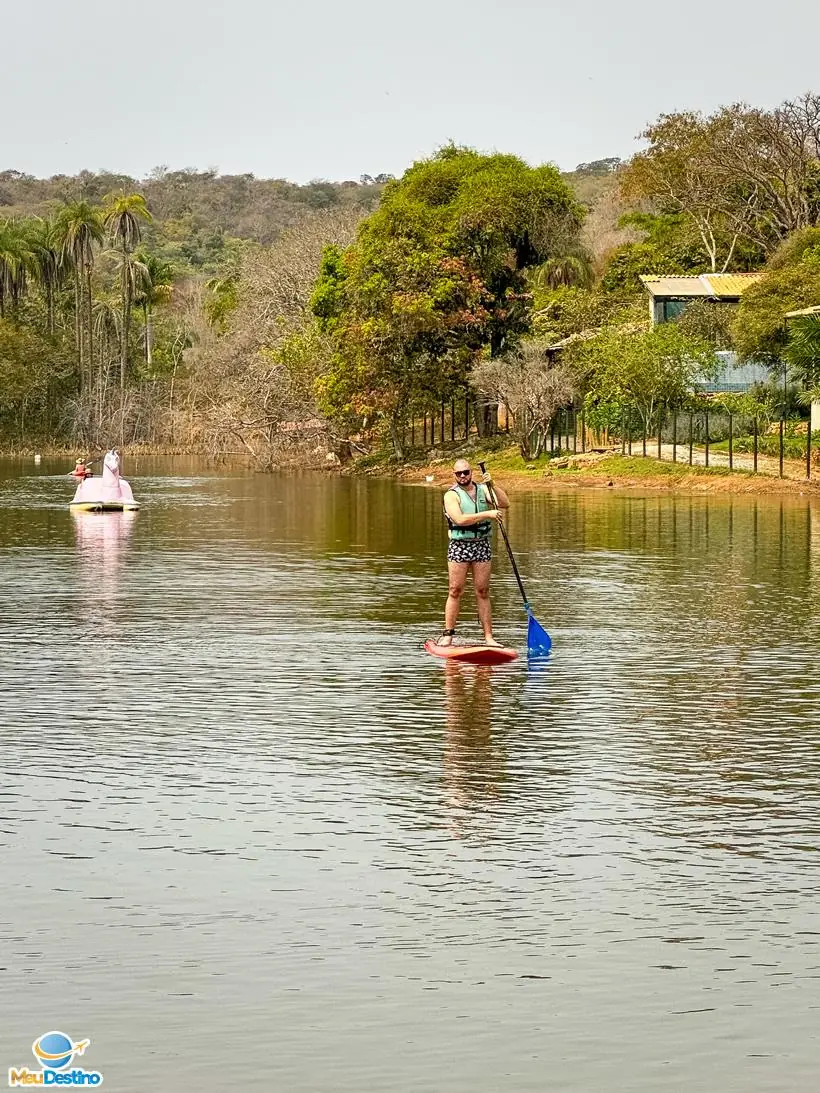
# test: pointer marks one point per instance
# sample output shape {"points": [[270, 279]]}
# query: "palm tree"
{"points": [[156, 289], [123, 214], [15, 263], [568, 270], [79, 228], [223, 299], [802, 354], [44, 240], [107, 330]]}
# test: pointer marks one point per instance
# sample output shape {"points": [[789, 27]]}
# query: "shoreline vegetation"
{"points": [[320, 324], [599, 469]]}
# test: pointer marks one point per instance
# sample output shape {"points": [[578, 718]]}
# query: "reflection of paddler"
{"points": [[473, 767]]}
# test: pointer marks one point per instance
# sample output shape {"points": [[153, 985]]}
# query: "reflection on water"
{"points": [[254, 813], [473, 761], [102, 548]]}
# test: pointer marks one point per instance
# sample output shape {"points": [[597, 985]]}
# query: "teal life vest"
{"points": [[468, 507]]}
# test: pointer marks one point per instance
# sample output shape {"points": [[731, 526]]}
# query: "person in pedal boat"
{"points": [[81, 470], [469, 511]]}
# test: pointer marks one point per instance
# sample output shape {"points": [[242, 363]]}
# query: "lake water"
{"points": [[251, 836]]}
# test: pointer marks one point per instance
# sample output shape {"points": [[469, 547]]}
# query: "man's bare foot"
{"points": [[490, 640], [446, 637]]}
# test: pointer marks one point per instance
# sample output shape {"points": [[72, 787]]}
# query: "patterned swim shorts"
{"points": [[470, 550]]}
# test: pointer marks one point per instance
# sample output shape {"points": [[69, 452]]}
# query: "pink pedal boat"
{"points": [[106, 492]]}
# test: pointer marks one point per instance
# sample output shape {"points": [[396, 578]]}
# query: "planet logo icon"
{"points": [[55, 1050]]}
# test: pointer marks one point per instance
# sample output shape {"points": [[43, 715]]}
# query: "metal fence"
{"points": [[698, 438], [705, 438], [451, 420]]}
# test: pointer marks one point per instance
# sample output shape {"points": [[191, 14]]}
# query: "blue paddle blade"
{"points": [[538, 640]]}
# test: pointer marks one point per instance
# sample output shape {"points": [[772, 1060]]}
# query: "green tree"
{"points": [[34, 375], [123, 216], [740, 174], [566, 271], [794, 248], [15, 262], [44, 240], [659, 367], [396, 315], [759, 328], [154, 288], [437, 275], [802, 353], [501, 216], [223, 299], [709, 321], [679, 175], [629, 262]]}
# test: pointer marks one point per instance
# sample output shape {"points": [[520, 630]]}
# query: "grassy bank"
{"points": [[604, 470]]}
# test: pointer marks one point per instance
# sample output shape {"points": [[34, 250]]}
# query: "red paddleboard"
{"points": [[471, 654]]}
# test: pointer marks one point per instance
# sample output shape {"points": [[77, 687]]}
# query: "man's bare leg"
{"points": [[457, 574], [481, 584]]}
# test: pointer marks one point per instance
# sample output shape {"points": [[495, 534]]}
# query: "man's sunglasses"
{"points": [[462, 474]]}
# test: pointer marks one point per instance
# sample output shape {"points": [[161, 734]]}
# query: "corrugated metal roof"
{"points": [[676, 286], [730, 284], [715, 285]]}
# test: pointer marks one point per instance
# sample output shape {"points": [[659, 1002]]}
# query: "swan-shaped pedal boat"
{"points": [[106, 492]]}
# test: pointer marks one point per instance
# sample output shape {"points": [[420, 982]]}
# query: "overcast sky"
{"points": [[325, 89]]}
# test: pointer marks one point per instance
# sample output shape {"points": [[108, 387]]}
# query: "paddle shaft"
{"points": [[494, 500]]}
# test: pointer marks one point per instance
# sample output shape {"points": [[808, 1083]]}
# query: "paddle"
{"points": [[538, 640]]}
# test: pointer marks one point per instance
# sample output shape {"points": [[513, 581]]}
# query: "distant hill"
{"points": [[596, 186], [591, 181]]}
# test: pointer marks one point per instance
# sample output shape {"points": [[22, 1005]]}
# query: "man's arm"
{"points": [[500, 495], [453, 510]]}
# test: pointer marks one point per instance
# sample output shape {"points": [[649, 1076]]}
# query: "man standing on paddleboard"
{"points": [[469, 510]]}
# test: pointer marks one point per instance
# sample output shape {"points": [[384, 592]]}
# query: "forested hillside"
{"points": [[195, 214]]}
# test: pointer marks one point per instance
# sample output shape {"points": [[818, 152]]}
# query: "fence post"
{"points": [[706, 426], [660, 428], [552, 437], [691, 438], [782, 437], [424, 430], [574, 429], [629, 430], [644, 436], [674, 436], [583, 430], [466, 414], [442, 421], [808, 447], [453, 419], [623, 432], [730, 442], [755, 448]]}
